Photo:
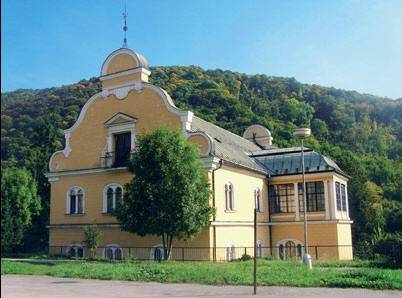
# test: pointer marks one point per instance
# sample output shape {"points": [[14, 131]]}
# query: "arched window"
{"points": [[229, 197], [75, 200], [112, 197], [289, 248], [258, 199], [281, 252], [230, 252], [75, 250], [113, 252], [157, 253], [259, 249], [299, 251]]}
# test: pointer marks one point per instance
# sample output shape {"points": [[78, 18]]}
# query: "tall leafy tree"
{"points": [[169, 193], [19, 202]]}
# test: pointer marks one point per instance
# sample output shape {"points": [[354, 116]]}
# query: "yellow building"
{"points": [[87, 179]]}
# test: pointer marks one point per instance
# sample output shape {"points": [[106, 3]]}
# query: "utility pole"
{"points": [[255, 250], [303, 133]]}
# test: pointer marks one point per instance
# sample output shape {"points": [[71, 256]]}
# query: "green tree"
{"points": [[169, 193], [19, 201], [91, 238]]}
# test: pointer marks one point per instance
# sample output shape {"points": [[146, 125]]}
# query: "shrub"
{"points": [[245, 257], [390, 247]]}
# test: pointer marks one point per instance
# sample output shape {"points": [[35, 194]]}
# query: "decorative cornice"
{"points": [[125, 73]]}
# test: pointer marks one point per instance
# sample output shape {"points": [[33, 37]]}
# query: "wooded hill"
{"points": [[361, 132]]}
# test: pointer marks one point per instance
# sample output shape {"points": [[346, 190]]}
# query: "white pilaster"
{"points": [[347, 202], [334, 212], [296, 201], [326, 198]]}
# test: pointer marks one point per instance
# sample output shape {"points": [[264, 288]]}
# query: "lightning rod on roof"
{"points": [[125, 27]]}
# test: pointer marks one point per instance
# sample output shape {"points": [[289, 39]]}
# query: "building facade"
{"points": [[87, 179]]}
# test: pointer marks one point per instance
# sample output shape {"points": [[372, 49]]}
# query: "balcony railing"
{"points": [[108, 160]]}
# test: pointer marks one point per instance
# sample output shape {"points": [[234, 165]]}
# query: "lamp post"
{"points": [[302, 133]]}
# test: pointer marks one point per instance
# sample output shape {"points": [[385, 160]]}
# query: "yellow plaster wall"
{"points": [[124, 79], [138, 247], [244, 183], [319, 234], [345, 242], [88, 140], [93, 185], [340, 214], [121, 62]]}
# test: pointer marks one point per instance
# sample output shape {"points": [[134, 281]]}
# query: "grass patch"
{"points": [[362, 274]]}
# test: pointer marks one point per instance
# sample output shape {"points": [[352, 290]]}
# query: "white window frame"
{"points": [[259, 249], [75, 246], [283, 242], [156, 247], [230, 252], [113, 247], [229, 197], [68, 200], [114, 186], [258, 200]]}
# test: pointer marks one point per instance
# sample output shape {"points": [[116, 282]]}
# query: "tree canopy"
{"points": [[19, 202], [169, 193]]}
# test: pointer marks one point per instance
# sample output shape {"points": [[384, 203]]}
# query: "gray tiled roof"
{"points": [[273, 161], [228, 146], [287, 161]]}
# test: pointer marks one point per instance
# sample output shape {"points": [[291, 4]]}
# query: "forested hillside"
{"points": [[363, 133]]}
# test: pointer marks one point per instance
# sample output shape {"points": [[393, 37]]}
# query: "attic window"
{"points": [[318, 168], [307, 169], [286, 171]]}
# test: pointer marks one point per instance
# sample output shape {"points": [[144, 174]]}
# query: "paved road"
{"points": [[45, 286]]}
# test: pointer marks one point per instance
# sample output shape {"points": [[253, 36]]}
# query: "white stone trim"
{"points": [[260, 209], [227, 184], [114, 247], [113, 186], [68, 199], [121, 91], [109, 58], [119, 128], [283, 242], [347, 202], [76, 246], [326, 198], [296, 200], [230, 251], [125, 72], [154, 248], [335, 207], [125, 117], [211, 144]]}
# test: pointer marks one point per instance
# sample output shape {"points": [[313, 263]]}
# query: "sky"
{"points": [[348, 44]]}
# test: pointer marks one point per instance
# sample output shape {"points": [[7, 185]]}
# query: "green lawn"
{"points": [[362, 274]]}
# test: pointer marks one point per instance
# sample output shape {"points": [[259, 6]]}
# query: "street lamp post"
{"points": [[302, 133]]}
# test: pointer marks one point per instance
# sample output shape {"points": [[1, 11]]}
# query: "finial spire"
{"points": [[125, 27]]}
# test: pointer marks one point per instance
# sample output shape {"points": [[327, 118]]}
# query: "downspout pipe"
{"points": [[213, 205]]}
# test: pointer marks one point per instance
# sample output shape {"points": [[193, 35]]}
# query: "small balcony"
{"points": [[115, 160]]}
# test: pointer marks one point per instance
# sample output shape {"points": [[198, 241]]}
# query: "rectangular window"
{"points": [[122, 149], [338, 196], [281, 198], [314, 195], [343, 196]]}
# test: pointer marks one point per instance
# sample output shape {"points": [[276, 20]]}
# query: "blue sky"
{"points": [[349, 44]]}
